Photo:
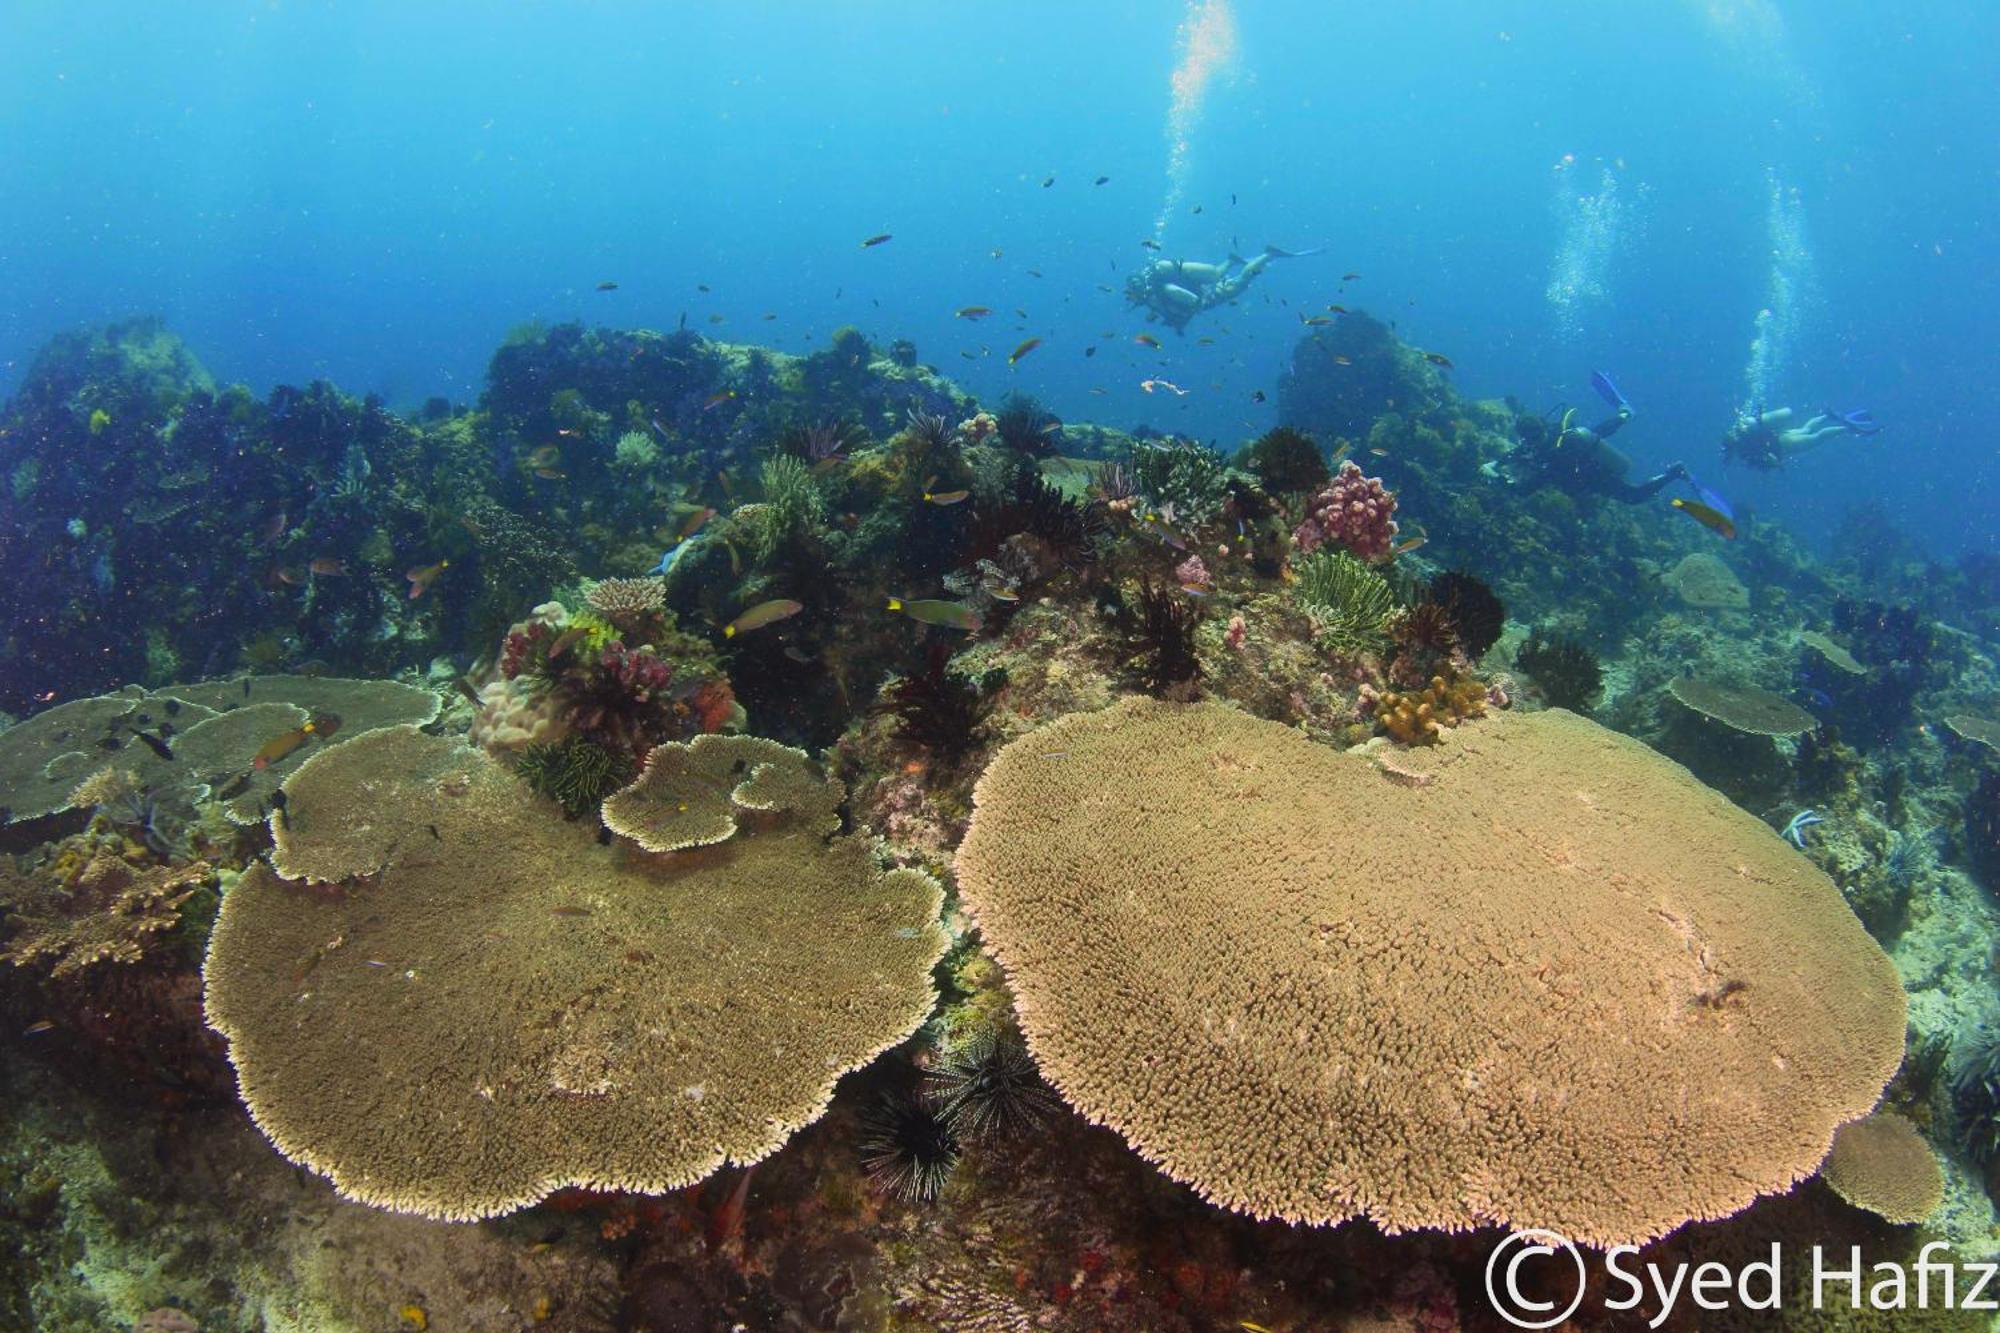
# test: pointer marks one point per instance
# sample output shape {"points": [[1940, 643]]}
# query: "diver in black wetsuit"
{"points": [[1578, 461]]}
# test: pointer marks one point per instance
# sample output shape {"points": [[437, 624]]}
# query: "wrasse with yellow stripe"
{"points": [[1713, 519], [951, 615], [762, 614], [1014, 357]]}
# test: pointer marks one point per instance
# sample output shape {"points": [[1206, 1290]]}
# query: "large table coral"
{"points": [[491, 1005], [1538, 977]]}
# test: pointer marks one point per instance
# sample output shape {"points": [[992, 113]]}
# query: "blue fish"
{"points": [[671, 558]]}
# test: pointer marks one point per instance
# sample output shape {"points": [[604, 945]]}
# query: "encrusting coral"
{"points": [[493, 1006], [1540, 977], [1882, 1163]]}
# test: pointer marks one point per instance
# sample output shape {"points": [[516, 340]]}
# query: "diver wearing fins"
{"points": [[1578, 461], [1174, 291], [1766, 441]]}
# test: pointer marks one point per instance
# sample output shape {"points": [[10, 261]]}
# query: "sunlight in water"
{"points": [[1208, 47], [1592, 228], [1787, 296]]}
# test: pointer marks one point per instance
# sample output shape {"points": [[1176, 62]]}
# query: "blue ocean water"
{"points": [[1725, 202]]}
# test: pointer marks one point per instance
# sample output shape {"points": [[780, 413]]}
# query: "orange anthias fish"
{"points": [[1014, 357], [1711, 518], [423, 576], [762, 614]]}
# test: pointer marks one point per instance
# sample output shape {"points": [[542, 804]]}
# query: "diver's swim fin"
{"points": [[1609, 391], [1861, 421], [1276, 253]]}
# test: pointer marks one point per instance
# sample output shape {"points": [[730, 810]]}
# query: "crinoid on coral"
{"points": [[1477, 614], [793, 507], [1201, 914], [1426, 640], [1057, 532], [1182, 478], [937, 709], [1115, 485], [988, 1086], [1564, 670], [1025, 427], [1286, 461], [579, 677], [820, 443], [929, 434], [1413, 717], [1349, 603], [636, 608], [1975, 1095], [1159, 641], [908, 1147], [575, 773]]}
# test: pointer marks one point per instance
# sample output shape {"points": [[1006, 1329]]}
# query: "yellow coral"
{"points": [[1413, 718]]}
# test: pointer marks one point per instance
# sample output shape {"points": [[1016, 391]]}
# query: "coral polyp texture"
{"points": [[1882, 1163], [1354, 512], [494, 1006], [1539, 977]]}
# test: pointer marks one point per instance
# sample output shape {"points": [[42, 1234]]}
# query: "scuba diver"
{"points": [[1766, 441], [1578, 461], [1174, 291]]}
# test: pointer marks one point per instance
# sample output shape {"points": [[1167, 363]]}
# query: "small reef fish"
{"points": [[156, 745], [951, 615], [693, 523], [1405, 547], [1714, 520], [1048, 182], [1100, 180], [1438, 359], [1090, 350], [945, 497], [1340, 360], [762, 614], [607, 286], [1256, 395], [1151, 386], [37, 1029], [328, 567], [1146, 340], [274, 528], [1014, 357], [421, 577], [1150, 245], [717, 399], [1336, 309], [715, 319], [1316, 321], [1033, 273], [551, 474], [1350, 277], [547, 455], [974, 311], [283, 744], [879, 238], [995, 252]]}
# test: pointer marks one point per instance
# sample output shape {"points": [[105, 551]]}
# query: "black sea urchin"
{"points": [[990, 1087], [1476, 612], [908, 1148]]}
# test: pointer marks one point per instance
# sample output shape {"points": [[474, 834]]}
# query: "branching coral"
{"points": [[1353, 512], [1414, 717], [110, 913], [1183, 478], [634, 606], [1348, 602]]}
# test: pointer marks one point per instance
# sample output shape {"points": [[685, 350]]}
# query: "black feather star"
{"points": [[989, 1087]]}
